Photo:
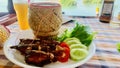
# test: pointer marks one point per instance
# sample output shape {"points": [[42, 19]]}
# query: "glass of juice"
{"points": [[21, 9]]}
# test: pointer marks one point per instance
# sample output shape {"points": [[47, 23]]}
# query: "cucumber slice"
{"points": [[73, 42], [69, 39], [81, 46], [78, 54]]}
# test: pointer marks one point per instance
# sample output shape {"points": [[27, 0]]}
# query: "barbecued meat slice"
{"points": [[24, 47], [39, 58], [30, 41], [30, 44], [38, 41]]}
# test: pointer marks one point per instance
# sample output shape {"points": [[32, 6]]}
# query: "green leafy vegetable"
{"points": [[118, 46], [82, 32], [65, 35]]}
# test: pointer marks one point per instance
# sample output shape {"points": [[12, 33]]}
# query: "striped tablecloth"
{"points": [[106, 55]]}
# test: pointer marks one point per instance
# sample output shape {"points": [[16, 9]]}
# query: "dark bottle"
{"points": [[107, 11]]}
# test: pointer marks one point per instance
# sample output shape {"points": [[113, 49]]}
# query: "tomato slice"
{"points": [[66, 53], [63, 44]]}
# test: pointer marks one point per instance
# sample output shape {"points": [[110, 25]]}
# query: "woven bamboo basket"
{"points": [[45, 19]]}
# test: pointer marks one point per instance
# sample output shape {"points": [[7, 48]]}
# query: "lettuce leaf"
{"points": [[65, 35], [80, 31]]}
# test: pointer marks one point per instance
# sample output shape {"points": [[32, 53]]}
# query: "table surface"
{"points": [[106, 55]]}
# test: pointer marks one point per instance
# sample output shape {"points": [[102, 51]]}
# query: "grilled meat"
{"points": [[38, 41], [39, 52], [39, 58]]}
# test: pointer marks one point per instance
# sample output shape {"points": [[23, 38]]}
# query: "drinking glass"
{"points": [[21, 9]]}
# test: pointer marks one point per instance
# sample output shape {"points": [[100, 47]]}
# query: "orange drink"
{"points": [[22, 14]]}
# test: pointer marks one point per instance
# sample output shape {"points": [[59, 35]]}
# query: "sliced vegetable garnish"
{"points": [[66, 53], [81, 46], [65, 56], [69, 39], [78, 54], [73, 42], [63, 44]]}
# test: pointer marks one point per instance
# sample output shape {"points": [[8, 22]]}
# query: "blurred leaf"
{"points": [[68, 3], [118, 46]]}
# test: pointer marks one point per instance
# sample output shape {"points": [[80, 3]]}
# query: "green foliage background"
{"points": [[72, 3]]}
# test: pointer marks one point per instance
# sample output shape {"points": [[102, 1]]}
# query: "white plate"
{"points": [[18, 59]]}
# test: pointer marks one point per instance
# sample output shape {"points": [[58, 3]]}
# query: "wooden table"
{"points": [[106, 55]]}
